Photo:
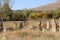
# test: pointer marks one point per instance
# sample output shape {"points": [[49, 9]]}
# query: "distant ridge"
{"points": [[52, 6]]}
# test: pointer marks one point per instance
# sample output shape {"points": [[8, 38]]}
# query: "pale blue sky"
{"points": [[21, 4]]}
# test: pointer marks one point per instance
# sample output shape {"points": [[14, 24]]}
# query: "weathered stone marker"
{"points": [[48, 25], [4, 34], [53, 25], [59, 23], [43, 26], [31, 27], [43, 29], [21, 25], [39, 24]]}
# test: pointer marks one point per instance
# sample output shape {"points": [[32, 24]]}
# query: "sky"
{"points": [[22, 4]]}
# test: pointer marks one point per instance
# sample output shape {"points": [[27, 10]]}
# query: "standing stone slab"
{"points": [[9, 24], [48, 25], [43, 26], [39, 24], [43, 29], [4, 34], [53, 25], [59, 23]]}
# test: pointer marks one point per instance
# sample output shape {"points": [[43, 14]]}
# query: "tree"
{"points": [[13, 16], [26, 13], [56, 13], [45, 16], [33, 15], [7, 9], [7, 18]]}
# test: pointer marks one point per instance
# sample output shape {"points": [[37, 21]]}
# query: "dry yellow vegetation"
{"points": [[31, 35]]}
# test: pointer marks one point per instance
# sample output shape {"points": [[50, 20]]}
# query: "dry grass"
{"points": [[31, 35]]}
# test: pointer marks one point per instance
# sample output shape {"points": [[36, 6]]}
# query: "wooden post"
{"points": [[53, 25]]}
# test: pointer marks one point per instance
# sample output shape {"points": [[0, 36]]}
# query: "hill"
{"points": [[51, 6]]}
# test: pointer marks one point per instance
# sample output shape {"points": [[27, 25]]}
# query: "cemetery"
{"points": [[40, 23], [52, 25]]}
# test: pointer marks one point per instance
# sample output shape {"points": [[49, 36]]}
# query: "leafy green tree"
{"points": [[27, 13], [45, 16], [7, 18], [21, 17], [54, 14], [13, 16], [58, 12], [33, 15]]}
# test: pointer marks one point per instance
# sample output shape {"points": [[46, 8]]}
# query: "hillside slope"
{"points": [[51, 6]]}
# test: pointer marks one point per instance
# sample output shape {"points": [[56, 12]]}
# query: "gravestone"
{"points": [[53, 25], [43, 24], [4, 34], [40, 27], [59, 23], [31, 27], [21, 25], [43, 29], [48, 25]]}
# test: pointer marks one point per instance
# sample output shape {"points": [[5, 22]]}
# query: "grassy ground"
{"points": [[31, 35]]}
